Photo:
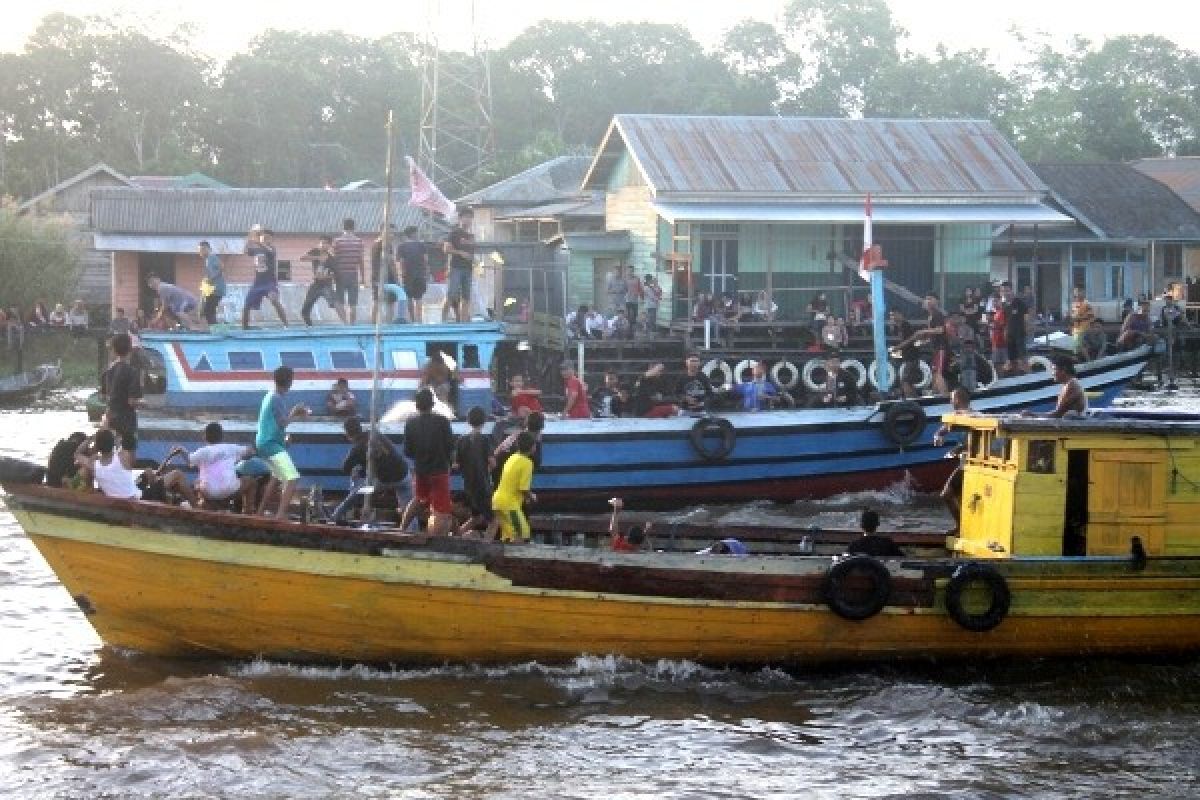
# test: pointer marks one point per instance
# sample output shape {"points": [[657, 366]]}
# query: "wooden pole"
{"points": [[380, 280]]}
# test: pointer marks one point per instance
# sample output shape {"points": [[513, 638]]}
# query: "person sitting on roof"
{"points": [[1072, 399], [632, 542], [872, 543]]}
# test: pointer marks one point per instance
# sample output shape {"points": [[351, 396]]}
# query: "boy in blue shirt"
{"points": [[269, 440]]}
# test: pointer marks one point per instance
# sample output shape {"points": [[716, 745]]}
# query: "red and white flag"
{"points": [[864, 263], [423, 194]]}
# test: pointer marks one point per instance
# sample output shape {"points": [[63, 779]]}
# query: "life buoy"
{"points": [[856, 366], [808, 376], [926, 376], [717, 365], [1040, 363], [888, 370], [903, 422], [702, 431], [975, 574], [843, 590], [742, 366], [781, 369]]}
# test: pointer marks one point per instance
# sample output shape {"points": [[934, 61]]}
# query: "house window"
{"points": [[718, 265], [1116, 281], [1173, 261], [298, 359], [1079, 277], [348, 359], [247, 360]]}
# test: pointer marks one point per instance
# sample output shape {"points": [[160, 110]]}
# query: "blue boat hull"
{"points": [[784, 455]]}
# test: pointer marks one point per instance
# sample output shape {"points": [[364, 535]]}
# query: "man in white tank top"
{"points": [[111, 469]]}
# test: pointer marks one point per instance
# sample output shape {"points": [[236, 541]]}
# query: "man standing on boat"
{"points": [[459, 248], [575, 404], [694, 389], [935, 333], [1015, 311], [347, 271], [269, 440], [212, 288], [122, 387], [266, 275], [429, 443], [321, 288], [414, 271]]}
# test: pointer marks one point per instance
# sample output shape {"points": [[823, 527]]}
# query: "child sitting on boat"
{"points": [[632, 542]]}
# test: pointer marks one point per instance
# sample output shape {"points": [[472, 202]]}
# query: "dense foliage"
{"points": [[303, 109], [39, 258]]}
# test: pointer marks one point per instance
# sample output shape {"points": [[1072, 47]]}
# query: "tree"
{"points": [[962, 85], [38, 257]]}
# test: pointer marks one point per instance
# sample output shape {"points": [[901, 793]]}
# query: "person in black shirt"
{"points": [[321, 288], [429, 442], [472, 454], [1015, 310], [934, 332], [694, 389], [872, 543], [414, 271], [610, 399], [459, 248], [841, 387], [391, 471], [649, 395], [122, 386]]}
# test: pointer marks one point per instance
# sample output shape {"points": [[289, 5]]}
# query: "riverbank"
{"points": [[81, 357]]}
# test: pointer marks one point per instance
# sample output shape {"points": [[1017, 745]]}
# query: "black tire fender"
{"points": [[701, 431], [903, 423], [837, 594], [1001, 597]]}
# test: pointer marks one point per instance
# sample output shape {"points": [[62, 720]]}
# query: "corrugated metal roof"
{"points": [[556, 179], [233, 211], [1118, 202], [1181, 175], [583, 207], [797, 156], [913, 214]]}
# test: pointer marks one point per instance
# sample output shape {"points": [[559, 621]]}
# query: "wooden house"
{"points": [[1131, 236], [158, 230], [743, 204]]}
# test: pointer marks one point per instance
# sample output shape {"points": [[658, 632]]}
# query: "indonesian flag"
{"points": [[423, 194], [864, 270]]}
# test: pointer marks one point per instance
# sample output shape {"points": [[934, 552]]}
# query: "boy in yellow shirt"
{"points": [[513, 492]]}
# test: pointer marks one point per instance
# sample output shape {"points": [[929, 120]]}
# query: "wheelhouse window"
{"points": [[348, 359], [1040, 459], [246, 360], [404, 359], [298, 359]]}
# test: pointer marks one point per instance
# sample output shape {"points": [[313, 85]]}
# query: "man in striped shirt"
{"points": [[347, 271]]}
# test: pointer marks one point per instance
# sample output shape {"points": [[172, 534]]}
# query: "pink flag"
{"points": [[864, 271], [423, 194]]}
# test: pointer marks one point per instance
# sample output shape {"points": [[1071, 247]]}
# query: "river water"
{"points": [[79, 720]]}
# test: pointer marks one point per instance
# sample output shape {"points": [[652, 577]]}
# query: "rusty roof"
{"points": [[214, 211], [1180, 174], [798, 157]]}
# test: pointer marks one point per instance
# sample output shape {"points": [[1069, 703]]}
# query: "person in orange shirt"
{"points": [[525, 399]]}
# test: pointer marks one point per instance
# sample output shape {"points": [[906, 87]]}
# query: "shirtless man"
{"points": [[1071, 397]]}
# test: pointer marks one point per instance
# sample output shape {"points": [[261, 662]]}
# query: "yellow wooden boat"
{"points": [[1077, 537]]}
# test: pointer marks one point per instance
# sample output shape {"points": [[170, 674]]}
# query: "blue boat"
{"points": [[681, 461]]}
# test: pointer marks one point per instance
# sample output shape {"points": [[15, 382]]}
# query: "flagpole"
{"points": [[380, 280], [878, 303]]}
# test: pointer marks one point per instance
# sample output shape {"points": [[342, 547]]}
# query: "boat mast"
{"points": [[380, 280]]}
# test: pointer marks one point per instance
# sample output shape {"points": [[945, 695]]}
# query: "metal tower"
{"points": [[457, 142]]}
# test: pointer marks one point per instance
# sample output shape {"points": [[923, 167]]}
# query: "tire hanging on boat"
{"points": [[1040, 361], [717, 365], [704, 429], [903, 422], [852, 602], [808, 378], [889, 371], [967, 576], [926, 376], [782, 369], [854, 365]]}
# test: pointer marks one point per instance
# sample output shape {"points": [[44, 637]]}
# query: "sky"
{"points": [[225, 27]]}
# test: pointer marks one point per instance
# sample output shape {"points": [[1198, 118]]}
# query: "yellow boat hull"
{"points": [[176, 594]]}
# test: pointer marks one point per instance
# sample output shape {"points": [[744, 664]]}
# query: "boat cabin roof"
{"points": [[1106, 424]]}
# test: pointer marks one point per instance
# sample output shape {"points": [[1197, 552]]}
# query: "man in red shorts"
{"points": [[429, 443]]}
